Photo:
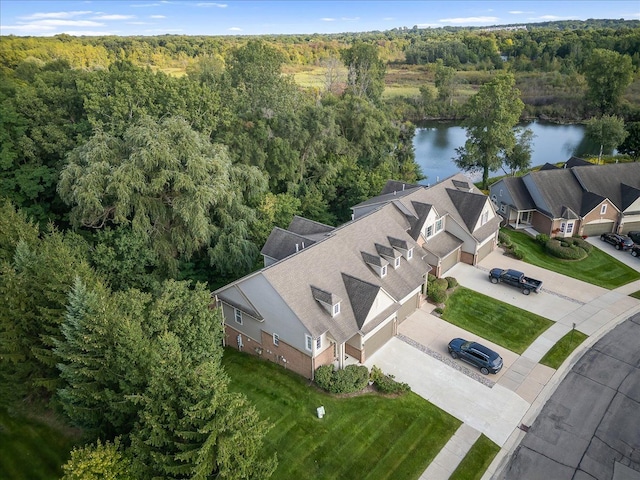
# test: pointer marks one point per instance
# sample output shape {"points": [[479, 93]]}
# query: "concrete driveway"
{"points": [[622, 255]]}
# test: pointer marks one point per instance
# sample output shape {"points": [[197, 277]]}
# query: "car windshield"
{"points": [[466, 345], [496, 361]]}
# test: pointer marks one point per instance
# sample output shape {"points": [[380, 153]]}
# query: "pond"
{"points": [[435, 145]]}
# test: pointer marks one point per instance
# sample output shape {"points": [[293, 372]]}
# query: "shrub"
{"points": [[437, 291], [516, 252], [438, 310], [565, 249], [542, 238], [451, 282], [352, 378], [441, 283], [504, 238], [431, 278], [583, 244], [386, 383], [324, 376]]}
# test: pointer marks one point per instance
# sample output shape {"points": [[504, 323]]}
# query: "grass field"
{"points": [[498, 322], [364, 437], [598, 268], [635, 295], [563, 348], [476, 461], [32, 449]]}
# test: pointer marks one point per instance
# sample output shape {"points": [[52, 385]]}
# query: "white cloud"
{"points": [[113, 17], [144, 5], [40, 15], [139, 23], [68, 23], [465, 20], [28, 28], [88, 33], [157, 16], [519, 12], [211, 4], [328, 19], [235, 29]]}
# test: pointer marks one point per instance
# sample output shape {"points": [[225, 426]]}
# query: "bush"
{"points": [[437, 291], [451, 282], [352, 378], [567, 248], [438, 310], [542, 238], [504, 238], [386, 383], [431, 278], [582, 243], [516, 252]]}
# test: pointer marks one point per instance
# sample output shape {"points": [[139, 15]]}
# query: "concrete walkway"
{"points": [[500, 405]]}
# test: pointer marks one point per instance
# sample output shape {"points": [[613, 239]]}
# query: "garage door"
{"points": [[630, 227], [485, 250], [407, 308], [448, 262], [378, 339], [595, 229]]}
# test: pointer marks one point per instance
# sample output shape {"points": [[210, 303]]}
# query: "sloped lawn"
{"points": [[365, 437], [598, 268], [498, 322]]}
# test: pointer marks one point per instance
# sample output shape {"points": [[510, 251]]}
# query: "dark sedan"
{"points": [[635, 236], [621, 242], [477, 355]]}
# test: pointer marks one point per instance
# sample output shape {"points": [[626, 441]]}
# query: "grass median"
{"points": [[498, 322], [563, 348], [597, 268], [367, 436], [477, 460]]}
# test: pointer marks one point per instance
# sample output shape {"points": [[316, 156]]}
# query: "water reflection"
{"points": [[435, 144]]}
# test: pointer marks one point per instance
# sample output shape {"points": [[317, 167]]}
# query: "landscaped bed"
{"points": [[498, 322], [367, 436], [598, 268]]}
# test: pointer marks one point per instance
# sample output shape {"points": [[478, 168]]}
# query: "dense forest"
{"points": [[138, 173]]}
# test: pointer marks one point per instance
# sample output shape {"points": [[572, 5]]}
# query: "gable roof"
{"points": [[361, 296], [559, 189], [519, 193], [606, 180], [469, 205], [282, 243], [395, 186], [577, 162], [629, 195]]}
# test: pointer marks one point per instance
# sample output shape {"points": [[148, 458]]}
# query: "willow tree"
{"points": [[162, 178], [492, 114]]}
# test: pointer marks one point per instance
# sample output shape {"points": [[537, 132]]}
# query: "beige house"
{"points": [[335, 295]]}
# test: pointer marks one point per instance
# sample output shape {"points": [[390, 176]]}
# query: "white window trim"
{"points": [[439, 225], [318, 343], [397, 262], [336, 309], [308, 343], [569, 227], [410, 254], [276, 339], [237, 313]]}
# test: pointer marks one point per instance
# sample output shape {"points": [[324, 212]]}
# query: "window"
{"points": [[238, 315], [397, 262], [503, 208], [500, 192], [494, 199], [336, 309], [276, 339], [603, 209], [485, 218], [318, 343], [563, 226], [429, 231], [308, 342], [438, 225], [570, 227], [383, 272], [410, 254]]}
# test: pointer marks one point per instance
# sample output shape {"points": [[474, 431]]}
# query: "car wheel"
{"points": [[526, 291], [602, 237], [617, 247], [454, 355], [494, 280], [484, 371], [634, 253]]}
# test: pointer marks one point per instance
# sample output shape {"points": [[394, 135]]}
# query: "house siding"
{"points": [[541, 223], [250, 327], [296, 360], [607, 221]]}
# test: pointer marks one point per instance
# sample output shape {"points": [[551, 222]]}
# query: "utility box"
{"points": [[320, 411]]}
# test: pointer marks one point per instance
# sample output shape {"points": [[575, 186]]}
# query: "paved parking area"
{"points": [[624, 256]]}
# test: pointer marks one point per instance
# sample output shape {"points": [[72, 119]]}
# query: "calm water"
{"points": [[435, 144]]}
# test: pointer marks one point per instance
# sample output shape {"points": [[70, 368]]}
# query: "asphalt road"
{"points": [[590, 427]]}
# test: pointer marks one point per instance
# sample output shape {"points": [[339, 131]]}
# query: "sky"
{"points": [[244, 17]]}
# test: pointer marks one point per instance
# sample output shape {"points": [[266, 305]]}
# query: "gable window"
{"points": [[238, 315], [485, 218], [429, 231], [308, 342], [336, 309], [603, 209], [410, 254], [396, 263], [318, 343], [438, 225], [276, 339], [383, 271]]}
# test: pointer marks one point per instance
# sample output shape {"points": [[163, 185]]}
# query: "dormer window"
{"points": [[410, 254], [336, 309], [328, 301], [383, 271], [396, 263]]}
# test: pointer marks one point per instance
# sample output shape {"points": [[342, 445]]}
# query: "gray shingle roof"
{"points": [[387, 251], [442, 244], [396, 186], [629, 195], [469, 206], [325, 297], [577, 162], [397, 243], [606, 180], [361, 297], [589, 202], [519, 193], [282, 243], [305, 227], [559, 188]]}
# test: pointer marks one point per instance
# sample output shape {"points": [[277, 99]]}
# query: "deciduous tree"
{"points": [[608, 131], [608, 74]]}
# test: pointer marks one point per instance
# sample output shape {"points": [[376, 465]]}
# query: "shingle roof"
{"points": [[308, 228], [282, 243], [606, 180], [559, 188], [396, 186], [577, 162], [629, 195], [519, 193], [469, 206], [589, 202], [324, 296], [361, 297], [548, 166], [443, 244]]}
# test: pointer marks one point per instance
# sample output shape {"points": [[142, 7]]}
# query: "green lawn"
{"points": [[31, 449], [501, 323], [635, 295], [598, 268], [364, 437], [477, 460], [561, 350]]}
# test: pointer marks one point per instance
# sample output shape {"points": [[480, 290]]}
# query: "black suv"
{"points": [[621, 242], [635, 251], [478, 355], [635, 236]]}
